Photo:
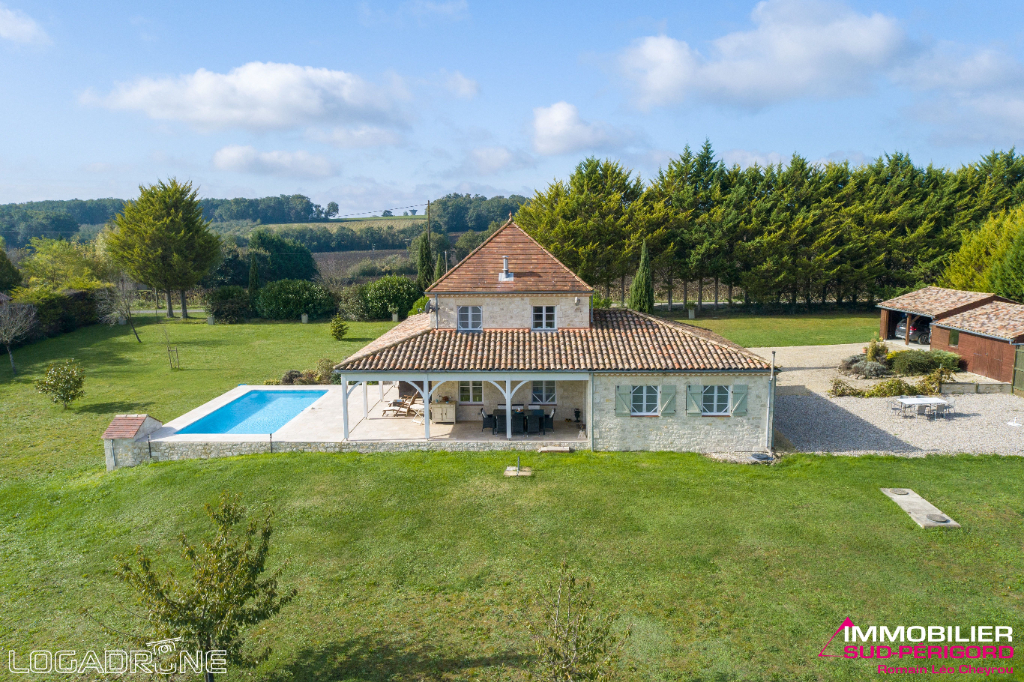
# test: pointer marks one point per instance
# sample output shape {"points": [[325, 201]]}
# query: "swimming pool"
{"points": [[256, 412]]}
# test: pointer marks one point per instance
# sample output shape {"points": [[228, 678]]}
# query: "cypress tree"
{"points": [[424, 263], [439, 267], [254, 276], [641, 291], [10, 276], [1007, 275]]}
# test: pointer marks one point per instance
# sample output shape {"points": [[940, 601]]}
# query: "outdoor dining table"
{"points": [[922, 402]]}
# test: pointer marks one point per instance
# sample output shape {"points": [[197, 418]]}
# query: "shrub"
{"points": [[870, 370], [287, 299], [64, 382], [338, 327], [352, 303], [392, 291], [847, 363], [419, 306], [324, 370], [917, 362], [891, 389], [877, 350], [229, 304], [58, 312]]}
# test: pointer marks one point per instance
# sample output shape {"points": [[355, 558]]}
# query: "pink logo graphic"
{"points": [[846, 624]]}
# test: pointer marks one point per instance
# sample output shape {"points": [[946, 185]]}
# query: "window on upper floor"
{"points": [[543, 393], [470, 318], [543, 317]]}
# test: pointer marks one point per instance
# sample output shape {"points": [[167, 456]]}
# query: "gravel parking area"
{"points": [[856, 426]]}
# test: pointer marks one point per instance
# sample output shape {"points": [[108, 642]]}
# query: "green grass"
{"points": [[425, 566], [756, 331]]}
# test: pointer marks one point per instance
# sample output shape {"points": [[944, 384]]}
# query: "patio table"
{"points": [[922, 402]]}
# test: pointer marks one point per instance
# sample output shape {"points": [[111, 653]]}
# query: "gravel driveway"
{"points": [[856, 426], [813, 422]]}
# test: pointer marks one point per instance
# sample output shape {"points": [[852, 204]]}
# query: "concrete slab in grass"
{"points": [[923, 512]]}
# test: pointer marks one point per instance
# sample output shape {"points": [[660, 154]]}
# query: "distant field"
{"points": [[758, 331], [340, 261], [351, 223]]}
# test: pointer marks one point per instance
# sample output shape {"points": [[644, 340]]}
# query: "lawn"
{"points": [[757, 331], [426, 566]]}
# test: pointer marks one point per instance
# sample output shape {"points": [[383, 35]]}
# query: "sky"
{"points": [[386, 105]]}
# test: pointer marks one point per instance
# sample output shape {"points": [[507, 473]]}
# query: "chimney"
{"points": [[505, 275]]}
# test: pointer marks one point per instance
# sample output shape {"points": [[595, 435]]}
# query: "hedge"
{"points": [[287, 299], [58, 312], [227, 304], [390, 293]]}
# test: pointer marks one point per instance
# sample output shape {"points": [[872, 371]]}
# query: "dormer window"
{"points": [[544, 317], [470, 318]]}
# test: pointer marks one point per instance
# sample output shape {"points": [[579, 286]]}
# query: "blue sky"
{"points": [[379, 105]]}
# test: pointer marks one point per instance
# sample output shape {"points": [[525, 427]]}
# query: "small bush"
{"points": [[419, 306], [847, 363], [869, 370], [352, 303], [892, 389], [324, 371], [389, 292], [228, 304], [338, 327], [917, 362], [841, 389], [64, 382], [287, 299], [877, 350]]}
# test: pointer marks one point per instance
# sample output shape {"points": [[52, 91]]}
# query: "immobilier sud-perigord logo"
{"points": [[946, 649]]}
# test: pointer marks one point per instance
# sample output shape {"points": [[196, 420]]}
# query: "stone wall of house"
{"points": [[506, 311], [680, 432], [172, 451]]}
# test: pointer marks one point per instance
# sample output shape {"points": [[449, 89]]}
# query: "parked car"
{"points": [[920, 330]]}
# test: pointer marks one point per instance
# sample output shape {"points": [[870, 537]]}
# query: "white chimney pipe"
{"points": [[504, 268]]}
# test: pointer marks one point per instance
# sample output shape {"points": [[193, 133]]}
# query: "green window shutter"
{"points": [[739, 400], [668, 400], [693, 398], [622, 398]]}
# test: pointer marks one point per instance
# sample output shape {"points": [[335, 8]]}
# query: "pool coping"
{"points": [[169, 431]]}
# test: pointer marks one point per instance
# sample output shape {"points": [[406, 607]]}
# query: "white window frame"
{"points": [[715, 393], [543, 393], [544, 310], [648, 392], [471, 311], [472, 387]]}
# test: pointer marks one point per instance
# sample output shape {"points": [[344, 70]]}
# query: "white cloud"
{"points": [[746, 158], [460, 86], [796, 48], [245, 159], [358, 137], [260, 96], [18, 27], [558, 129], [492, 160]]}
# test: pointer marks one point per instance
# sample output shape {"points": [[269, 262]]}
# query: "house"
{"points": [[510, 327], [931, 303], [988, 338]]}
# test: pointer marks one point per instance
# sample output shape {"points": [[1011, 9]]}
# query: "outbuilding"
{"points": [[927, 305], [989, 340]]}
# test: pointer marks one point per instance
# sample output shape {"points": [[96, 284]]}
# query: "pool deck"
{"points": [[321, 422]]}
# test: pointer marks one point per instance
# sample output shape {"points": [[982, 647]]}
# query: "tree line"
{"points": [[783, 233]]}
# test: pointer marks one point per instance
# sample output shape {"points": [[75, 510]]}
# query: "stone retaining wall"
{"points": [[171, 451]]}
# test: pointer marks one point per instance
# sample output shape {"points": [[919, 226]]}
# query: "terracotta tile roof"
{"points": [[4, 298], [534, 268], [618, 340], [407, 328], [935, 301], [999, 319], [125, 426]]}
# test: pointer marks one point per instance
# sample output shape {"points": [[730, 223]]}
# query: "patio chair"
{"points": [[534, 424], [517, 423], [897, 408], [549, 421], [499, 422], [490, 422], [947, 410]]}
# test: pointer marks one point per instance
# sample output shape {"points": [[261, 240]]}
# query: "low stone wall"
{"points": [[172, 451]]}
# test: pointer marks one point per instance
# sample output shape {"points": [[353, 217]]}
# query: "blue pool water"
{"points": [[256, 412]]}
